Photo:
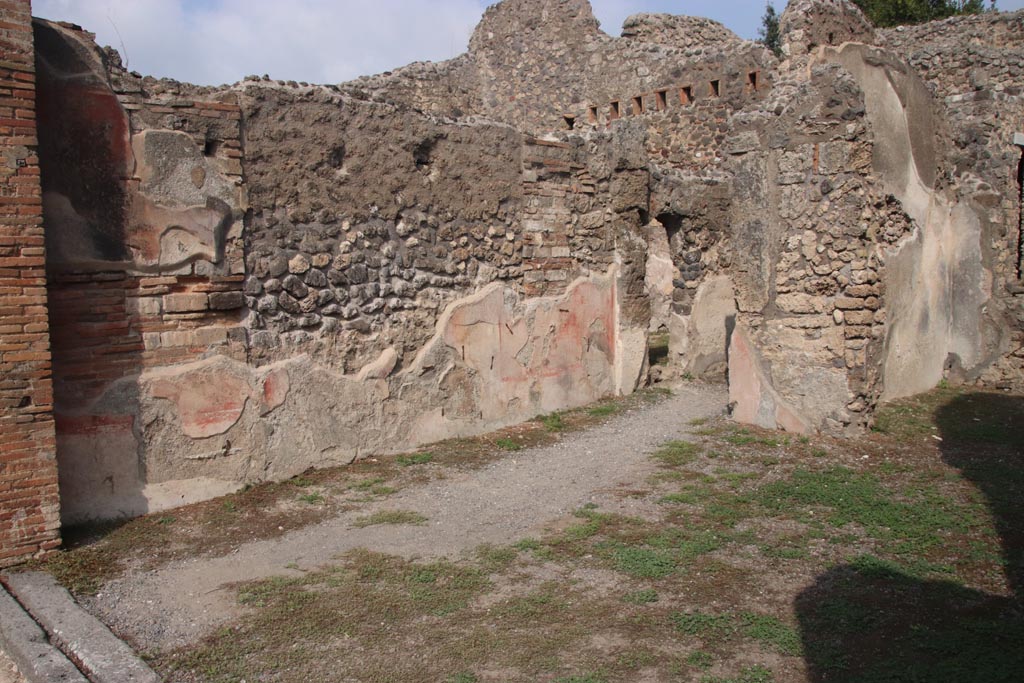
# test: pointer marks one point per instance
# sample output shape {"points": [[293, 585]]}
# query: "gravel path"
{"points": [[501, 503]]}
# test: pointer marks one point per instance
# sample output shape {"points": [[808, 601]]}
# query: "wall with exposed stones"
{"points": [[974, 67], [248, 281], [348, 278]]}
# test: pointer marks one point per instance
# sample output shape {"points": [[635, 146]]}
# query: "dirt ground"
{"points": [[498, 504], [645, 540]]}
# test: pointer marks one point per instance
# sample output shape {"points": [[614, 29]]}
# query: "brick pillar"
{"points": [[1018, 140], [29, 501]]}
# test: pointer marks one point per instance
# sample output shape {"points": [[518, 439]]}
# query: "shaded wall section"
{"points": [[29, 516]]}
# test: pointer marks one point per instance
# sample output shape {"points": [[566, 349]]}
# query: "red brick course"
{"points": [[29, 500]]}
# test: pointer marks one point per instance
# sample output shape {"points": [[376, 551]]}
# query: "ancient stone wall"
{"points": [[367, 220], [252, 280], [143, 200], [680, 31], [29, 504], [973, 66], [232, 310]]}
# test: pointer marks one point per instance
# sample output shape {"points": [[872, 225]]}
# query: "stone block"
{"points": [[859, 317], [849, 304], [299, 264], [38, 660], [143, 305], [185, 303], [176, 338], [208, 336], [799, 303], [226, 301]]}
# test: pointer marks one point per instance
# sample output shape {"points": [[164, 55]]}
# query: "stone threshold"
{"points": [[53, 640]]}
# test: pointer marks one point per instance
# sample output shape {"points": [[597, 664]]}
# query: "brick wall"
{"points": [[110, 325], [548, 183], [29, 503]]}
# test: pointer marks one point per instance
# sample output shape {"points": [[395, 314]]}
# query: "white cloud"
{"points": [[325, 41], [220, 41]]}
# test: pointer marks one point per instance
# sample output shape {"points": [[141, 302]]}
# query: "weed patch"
{"points": [[390, 517], [415, 459], [677, 453], [553, 422], [641, 597]]}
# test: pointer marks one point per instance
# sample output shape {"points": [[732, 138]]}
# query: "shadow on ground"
{"points": [[876, 621]]}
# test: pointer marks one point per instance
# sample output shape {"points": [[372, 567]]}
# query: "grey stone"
{"points": [[278, 266], [226, 301], [252, 286], [294, 286], [316, 278], [289, 304], [104, 657], [26, 643]]}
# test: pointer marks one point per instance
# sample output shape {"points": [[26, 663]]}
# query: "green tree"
{"points": [[897, 12], [769, 31]]}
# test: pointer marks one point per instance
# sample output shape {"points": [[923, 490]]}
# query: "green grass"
{"points": [[374, 486], [641, 597], [891, 566], [677, 453], [644, 563], [604, 410], [390, 517], [762, 628], [904, 421], [704, 625], [496, 558], [528, 544], [587, 678], [314, 498], [751, 674], [553, 422], [770, 631], [700, 659], [506, 444], [367, 484], [910, 524], [415, 459], [741, 436]]}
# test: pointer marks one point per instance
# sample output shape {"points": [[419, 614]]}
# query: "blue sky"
{"points": [[324, 41]]}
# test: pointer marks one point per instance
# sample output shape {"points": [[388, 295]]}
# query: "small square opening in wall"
{"points": [[592, 115], [613, 111], [661, 100], [715, 88], [752, 83], [570, 121], [638, 105], [686, 95], [211, 147]]}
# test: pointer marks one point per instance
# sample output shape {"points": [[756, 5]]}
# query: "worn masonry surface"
{"points": [[242, 282]]}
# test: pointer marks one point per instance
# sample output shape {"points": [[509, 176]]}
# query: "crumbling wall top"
{"points": [[807, 24], [516, 24], [681, 31]]}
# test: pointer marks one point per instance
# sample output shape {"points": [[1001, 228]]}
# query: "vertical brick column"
{"points": [[29, 501], [1018, 140]]}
